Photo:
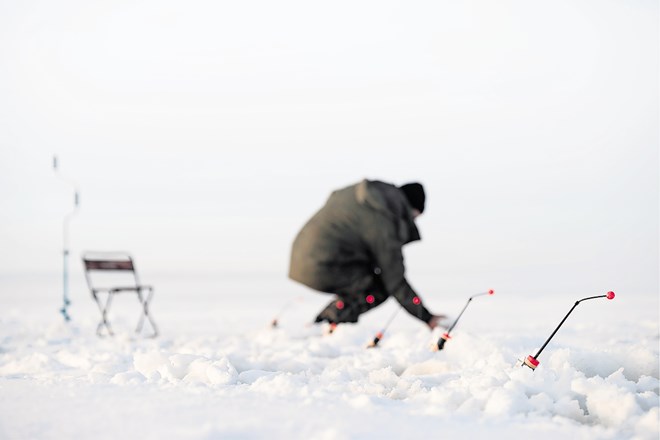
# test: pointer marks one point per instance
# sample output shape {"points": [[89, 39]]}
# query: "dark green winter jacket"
{"points": [[361, 229]]}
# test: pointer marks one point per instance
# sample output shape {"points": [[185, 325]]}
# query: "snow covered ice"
{"points": [[220, 371]]}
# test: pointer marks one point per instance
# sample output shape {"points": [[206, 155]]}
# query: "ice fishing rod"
{"points": [[532, 361], [445, 336], [275, 322], [380, 334], [65, 242]]}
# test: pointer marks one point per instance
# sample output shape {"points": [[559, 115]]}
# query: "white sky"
{"points": [[203, 134]]}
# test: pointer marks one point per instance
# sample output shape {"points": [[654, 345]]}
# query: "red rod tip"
{"points": [[491, 291], [417, 301], [610, 295], [339, 304], [370, 299]]}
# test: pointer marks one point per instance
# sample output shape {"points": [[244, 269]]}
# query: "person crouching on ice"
{"points": [[352, 248]]}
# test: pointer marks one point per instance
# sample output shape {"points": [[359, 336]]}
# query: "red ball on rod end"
{"points": [[491, 292], [610, 295]]}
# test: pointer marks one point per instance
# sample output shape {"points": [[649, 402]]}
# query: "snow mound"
{"points": [[607, 391]]}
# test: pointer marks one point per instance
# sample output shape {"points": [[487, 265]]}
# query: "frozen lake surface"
{"points": [[219, 371]]}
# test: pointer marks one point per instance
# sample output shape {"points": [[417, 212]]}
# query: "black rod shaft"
{"points": [[396, 312], [563, 320], [380, 334], [459, 316], [553, 333]]}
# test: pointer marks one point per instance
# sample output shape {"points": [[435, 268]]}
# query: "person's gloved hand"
{"points": [[437, 320]]}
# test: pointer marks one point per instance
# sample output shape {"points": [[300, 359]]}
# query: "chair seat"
{"points": [[122, 289]]}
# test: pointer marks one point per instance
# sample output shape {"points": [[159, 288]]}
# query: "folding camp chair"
{"points": [[113, 266]]}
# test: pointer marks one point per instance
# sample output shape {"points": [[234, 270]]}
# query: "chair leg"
{"points": [[145, 313], [104, 314], [141, 321]]}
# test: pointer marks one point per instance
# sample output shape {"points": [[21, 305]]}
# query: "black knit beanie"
{"points": [[415, 194]]}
